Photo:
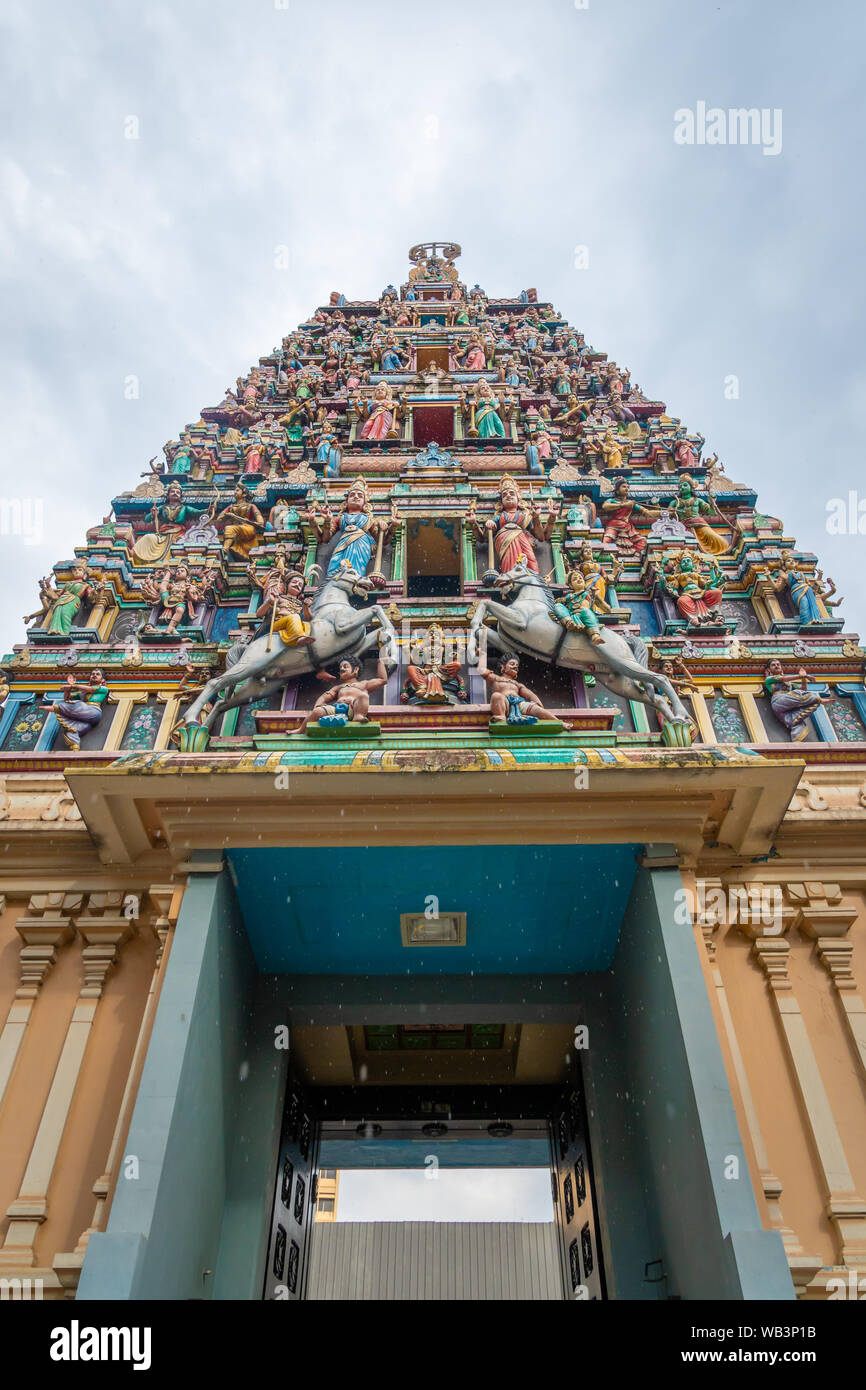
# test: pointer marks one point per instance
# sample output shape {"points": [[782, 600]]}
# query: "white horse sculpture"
{"points": [[528, 626], [338, 630]]}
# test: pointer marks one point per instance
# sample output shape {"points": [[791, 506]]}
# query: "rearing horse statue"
{"points": [[266, 664], [528, 627]]}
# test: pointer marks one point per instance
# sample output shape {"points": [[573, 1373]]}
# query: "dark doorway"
{"points": [[432, 424], [433, 558]]}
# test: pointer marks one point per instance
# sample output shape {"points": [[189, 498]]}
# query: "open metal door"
{"points": [[294, 1201], [574, 1199]]}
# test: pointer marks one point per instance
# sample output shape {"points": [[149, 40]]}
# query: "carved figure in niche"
{"points": [[612, 450], [485, 420], [356, 527], [697, 587], [511, 702], [430, 680], [328, 452], [241, 524], [392, 358], [791, 705], [512, 527], [178, 593], [64, 603], [618, 513], [171, 518], [792, 578], [538, 450], [348, 699], [382, 412], [81, 707], [282, 516]]}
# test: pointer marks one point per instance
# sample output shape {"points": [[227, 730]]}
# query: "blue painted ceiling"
{"points": [[546, 909]]}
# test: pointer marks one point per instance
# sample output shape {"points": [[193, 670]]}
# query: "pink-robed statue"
{"points": [[513, 527], [382, 411]]}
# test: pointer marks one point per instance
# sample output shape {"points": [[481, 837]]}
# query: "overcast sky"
{"points": [[346, 132], [452, 1194]]}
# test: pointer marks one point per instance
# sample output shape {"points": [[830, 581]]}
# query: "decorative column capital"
{"points": [[837, 956], [772, 955], [104, 927], [43, 926]]}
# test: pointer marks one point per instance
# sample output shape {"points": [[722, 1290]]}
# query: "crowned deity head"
{"points": [[620, 488], [509, 495], [687, 486], [357, 497], [788, 561], [174, 493]]}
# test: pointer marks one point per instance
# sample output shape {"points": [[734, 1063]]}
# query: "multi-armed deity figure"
{"points": [[513, 526], [484, 407], [695, 584], [178, 594], [430, 679]]}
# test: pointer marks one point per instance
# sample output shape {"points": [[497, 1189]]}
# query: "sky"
{"points": [[182, 184], [448, 1194]]}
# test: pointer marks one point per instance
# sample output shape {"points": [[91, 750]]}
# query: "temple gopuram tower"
{"points": [[437, 754]]}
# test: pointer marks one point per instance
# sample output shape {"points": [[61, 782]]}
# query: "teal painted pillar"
{"points": [[163, 1234], [667, 1130]]}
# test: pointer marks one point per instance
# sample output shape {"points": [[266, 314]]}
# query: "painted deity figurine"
{"points": [[282, 516], [348, 699], [484, 409], [511, 702], [597, 578], [382, 413], [574, 610], [473, 358], [612, 450], [328, 452], [171, 518], [538, 450], [618, 513], [354, 525], [177, 592], [430, 680], [792, 706], [690, 509], [802, 592], [64, 603], [698, 597], [80, 710], [241, 524], [286, 609], [512, 525]]}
